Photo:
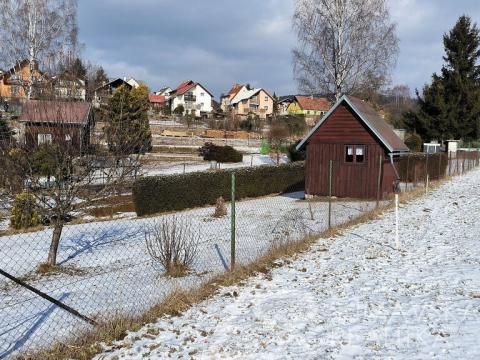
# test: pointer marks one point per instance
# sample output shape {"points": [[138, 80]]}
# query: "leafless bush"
{"points": [[220, 208], [291, 226], [173, 244]]}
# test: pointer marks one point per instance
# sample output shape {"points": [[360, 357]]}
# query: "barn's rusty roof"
{"points": [[56, 112], [372, 120]]}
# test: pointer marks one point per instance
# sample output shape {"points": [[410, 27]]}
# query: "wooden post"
{"points": [[439, 165], [407, 180], [426, 183], [449, 159], [456, 167], [426, 167], [330, 173], [379, 179], [233, 226]]}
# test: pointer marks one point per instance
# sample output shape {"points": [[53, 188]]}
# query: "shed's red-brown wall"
{"points": [[343, 127]]}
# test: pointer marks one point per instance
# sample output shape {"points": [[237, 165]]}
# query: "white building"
{"points": [[195, 99], [166, 91]]}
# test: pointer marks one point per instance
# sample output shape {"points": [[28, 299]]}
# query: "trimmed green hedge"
{"points": [[183, 191], [221, 154]]}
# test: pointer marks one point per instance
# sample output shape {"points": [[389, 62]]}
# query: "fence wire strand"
{"points": [[106, 269]]}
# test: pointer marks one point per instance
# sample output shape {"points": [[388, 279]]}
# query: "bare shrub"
{"points": [[220, 208], [173, 244], [291, 227]]}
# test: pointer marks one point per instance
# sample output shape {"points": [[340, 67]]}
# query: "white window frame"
{"points": [[44, 139]]}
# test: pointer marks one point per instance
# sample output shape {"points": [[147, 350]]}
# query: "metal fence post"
{"points": [[330, 171], [379, 179], [233, 225]]}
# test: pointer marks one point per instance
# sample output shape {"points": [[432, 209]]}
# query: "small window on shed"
{"points": [[359, 153], [349, 153]]}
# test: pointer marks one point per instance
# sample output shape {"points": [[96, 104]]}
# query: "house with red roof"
{"points": [[313, 108], [195, 99], [157, 101]]}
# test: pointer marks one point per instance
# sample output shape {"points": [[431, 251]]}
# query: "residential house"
{"points": [[358, 145], [132, 82], [103, 92], [68, 88], [14, 82], [60, 122], [156, 101], [313, 108], [194, 98], [256, 101], [225, 100], [283, 103], [166, 91]]}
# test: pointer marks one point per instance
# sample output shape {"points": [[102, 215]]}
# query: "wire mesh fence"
{"points": [[113, 267]]}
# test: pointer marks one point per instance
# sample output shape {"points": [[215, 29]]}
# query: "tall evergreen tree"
{"points": [[126, 115], [450, 106], [5, 132]]}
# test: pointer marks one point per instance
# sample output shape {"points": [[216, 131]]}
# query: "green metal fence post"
{"points": [[233, 225]]}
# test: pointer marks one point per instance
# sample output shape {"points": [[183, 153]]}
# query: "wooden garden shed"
{"points": [[361, 148]]}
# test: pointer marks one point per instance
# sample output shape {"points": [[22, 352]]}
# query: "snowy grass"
{"points": [[114, 275], [353, 296]]}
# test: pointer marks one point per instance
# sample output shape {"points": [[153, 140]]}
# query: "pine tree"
{"points": [[450, 106], [100, 78], [5, 132], [126, 114]]}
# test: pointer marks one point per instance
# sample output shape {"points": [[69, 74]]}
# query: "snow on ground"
{"points": [[109, 271], [353, 296], [248, 160]]}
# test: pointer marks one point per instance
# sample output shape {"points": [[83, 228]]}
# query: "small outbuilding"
{"points": [[361, 148], [59, 122]]}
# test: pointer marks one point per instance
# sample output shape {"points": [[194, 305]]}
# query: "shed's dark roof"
{"points": [[372, 120], [56, 112]]}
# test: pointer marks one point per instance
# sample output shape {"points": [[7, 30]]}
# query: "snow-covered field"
{"points": [[353, 296], [179, 168], [108, 270]]}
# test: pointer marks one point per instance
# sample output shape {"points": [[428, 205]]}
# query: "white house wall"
{"points": [[203, 100]]}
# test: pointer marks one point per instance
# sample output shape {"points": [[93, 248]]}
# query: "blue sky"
{"points": [[220, 42]]}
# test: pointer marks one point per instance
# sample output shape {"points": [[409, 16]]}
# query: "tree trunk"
{"points": [[57, 233]]}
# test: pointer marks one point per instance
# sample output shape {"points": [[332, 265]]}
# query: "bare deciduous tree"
{"points": [[63, 167], [343, 44], [41, 31]]}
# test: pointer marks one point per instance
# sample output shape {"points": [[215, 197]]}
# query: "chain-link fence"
{"points": [[115, 265]]}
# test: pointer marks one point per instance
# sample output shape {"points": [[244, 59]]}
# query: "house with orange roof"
{"points": [[225, 100], [14, 82], [242, 100], [195, 99], [313, 108]]}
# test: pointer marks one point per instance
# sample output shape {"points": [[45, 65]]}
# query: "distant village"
{"points": [[243, 105]]}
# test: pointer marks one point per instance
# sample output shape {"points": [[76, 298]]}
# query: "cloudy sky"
{"points": [[220, 42]]}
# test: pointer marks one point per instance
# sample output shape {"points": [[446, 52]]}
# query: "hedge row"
{"points": [[183, 191]]}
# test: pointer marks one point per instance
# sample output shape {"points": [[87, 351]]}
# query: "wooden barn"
{"points": [[61, 122], [361, 147]]}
